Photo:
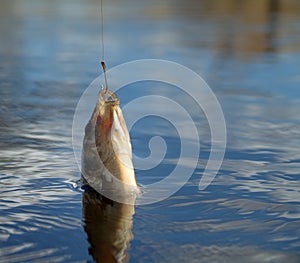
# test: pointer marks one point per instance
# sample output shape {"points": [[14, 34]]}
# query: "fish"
{"points": [[107, 152]]}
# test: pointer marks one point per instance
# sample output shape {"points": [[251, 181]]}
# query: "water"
{"points": [[248, 53]]}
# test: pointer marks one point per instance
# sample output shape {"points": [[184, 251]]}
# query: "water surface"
{"points": [[248, 53]]}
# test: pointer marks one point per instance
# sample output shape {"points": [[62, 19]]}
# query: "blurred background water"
{"points": [[247, 51]]}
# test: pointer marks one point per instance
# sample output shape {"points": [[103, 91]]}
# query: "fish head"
{"points": [[110, 124], [112, 137]]}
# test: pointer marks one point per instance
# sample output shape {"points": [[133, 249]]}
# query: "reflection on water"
{"points": [[248, 52], [108, 225]]}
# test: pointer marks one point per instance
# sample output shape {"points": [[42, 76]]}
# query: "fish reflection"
{"points": [[108, 225]]}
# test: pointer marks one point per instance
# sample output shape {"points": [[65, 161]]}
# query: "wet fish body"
{"points": [[107, 153]]}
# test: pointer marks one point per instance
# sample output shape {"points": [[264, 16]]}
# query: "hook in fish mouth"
{"points": [[112, 99], [109, 97]]}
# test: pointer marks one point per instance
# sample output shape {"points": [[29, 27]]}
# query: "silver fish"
{"points": [[107, 153]]}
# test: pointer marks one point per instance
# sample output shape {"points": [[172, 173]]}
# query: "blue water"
{"points": [[249, 55]]}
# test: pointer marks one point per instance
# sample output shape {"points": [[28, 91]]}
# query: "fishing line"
{"points": [[102, 45], [102, 29]]}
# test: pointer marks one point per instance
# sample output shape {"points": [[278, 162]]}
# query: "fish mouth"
{"points": [[111, 98]]}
